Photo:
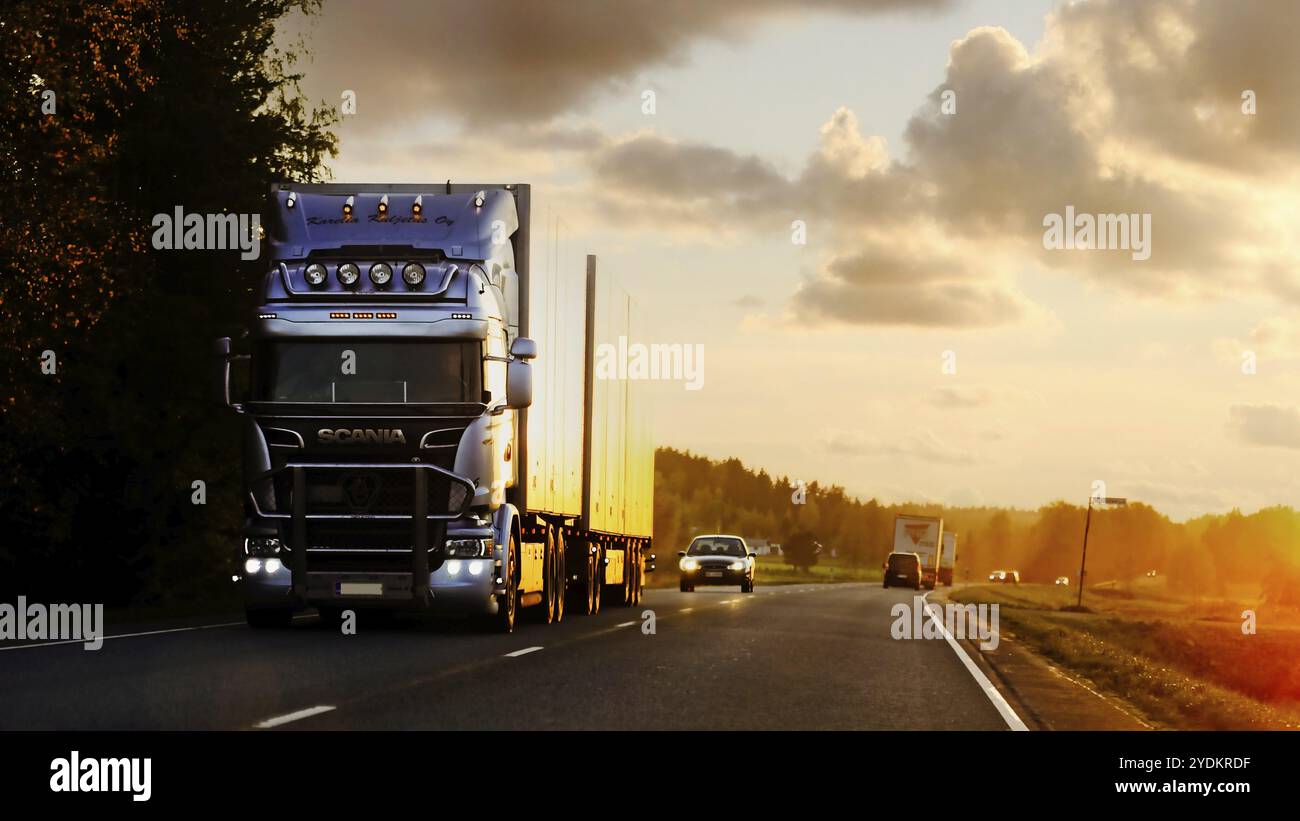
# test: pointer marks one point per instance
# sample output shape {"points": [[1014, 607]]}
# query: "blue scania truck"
{"points": [[423, 427]]}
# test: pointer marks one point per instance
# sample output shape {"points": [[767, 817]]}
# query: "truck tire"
{"points": [[508, 602], [268, 618], [546, 610], [561, 574]]}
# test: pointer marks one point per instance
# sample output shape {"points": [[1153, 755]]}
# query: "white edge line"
{"points": [[522, 652], [126, 635], [295, 716], [1004, 709]]}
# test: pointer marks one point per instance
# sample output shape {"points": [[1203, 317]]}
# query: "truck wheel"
{"points": [[267, 618], [508, 602], [561, 575], [546, 612]]}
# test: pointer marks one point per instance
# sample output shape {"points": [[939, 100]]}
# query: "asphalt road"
{"points": [[783, 657]]}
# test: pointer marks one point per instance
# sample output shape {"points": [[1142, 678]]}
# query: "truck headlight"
{"points": [[468, 548], [261, 547], [253, 566], [316, 274], [381, 273], [348, 274], [413, 273]]}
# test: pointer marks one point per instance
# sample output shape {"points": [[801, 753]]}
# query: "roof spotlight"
{"points": [[381, 273], [383, 206], [417, 207], [348, 274], [413, 273], [479, 199], [291, 200], [316, 274], [347, 208]]}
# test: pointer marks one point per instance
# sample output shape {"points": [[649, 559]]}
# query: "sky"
{"points": [[921, 343]]}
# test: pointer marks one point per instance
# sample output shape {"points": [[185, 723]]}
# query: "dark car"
{"points": [[717, 560], [903, 570]]}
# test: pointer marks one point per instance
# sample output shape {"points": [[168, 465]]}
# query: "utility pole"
{"points": [[1087, 523]]}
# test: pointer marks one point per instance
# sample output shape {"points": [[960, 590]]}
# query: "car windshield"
{"points": [[368, 371], [714, 546]]}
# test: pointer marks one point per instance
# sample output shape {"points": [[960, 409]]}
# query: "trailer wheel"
{"points": [[268, 618], [561, 574], [597, 578], [546, 612], [508, 602]]}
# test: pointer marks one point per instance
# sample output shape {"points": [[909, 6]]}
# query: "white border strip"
{"points": [[517, 653], [1008, 715]]}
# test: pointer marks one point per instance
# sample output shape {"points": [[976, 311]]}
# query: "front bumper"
{"points": [[460, 591], [708, 575]]}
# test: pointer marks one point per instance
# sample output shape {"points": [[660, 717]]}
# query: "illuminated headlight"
{"points": [[349, 274], [381, 273], [476, 567], [253, 566], [316, 274], [413, 273], [468, 548], [273, 566], [690, 564], [737, 565], [261, 547], [453, 568]]}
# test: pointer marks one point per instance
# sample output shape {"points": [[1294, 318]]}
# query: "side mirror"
{"points": [[650, 564], [519, 383], [523, 348], [221, 374], [751, 554], [681, 553]]}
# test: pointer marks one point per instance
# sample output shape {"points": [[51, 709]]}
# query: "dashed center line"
{"points": [[686, 610], [295, 716], [523, 652], [625, 624]]}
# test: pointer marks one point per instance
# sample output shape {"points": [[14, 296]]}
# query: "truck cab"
{"points": [[386, 374]]}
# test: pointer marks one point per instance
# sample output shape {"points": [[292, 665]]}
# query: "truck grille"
{"points": [[362, 492]]}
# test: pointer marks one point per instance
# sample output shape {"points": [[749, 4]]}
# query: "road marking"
{"points": [[523, 652], [126, 635], [288, 717], [727, 601], [1004, 709], [686, 610], [625, 624]]}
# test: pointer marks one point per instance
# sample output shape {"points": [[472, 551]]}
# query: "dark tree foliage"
{"points": [[158, 104]]}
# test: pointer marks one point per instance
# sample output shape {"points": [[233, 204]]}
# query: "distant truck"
{"points": [[949, 557], [922, 535], [425, 429]]}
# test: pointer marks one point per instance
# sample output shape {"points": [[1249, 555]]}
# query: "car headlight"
{"points": [[689, 564], [738, 565], [468, 548]]}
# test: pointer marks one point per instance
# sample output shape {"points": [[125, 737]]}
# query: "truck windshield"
{"points": [[357, 371]]}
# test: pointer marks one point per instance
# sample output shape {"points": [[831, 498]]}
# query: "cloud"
{"points": [[1273, 338], [490, 62], [960, 397], [921, 446], [1265, 425], [927, 239]]}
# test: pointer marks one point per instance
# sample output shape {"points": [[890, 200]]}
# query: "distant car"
{"points": [[1063, 581], [717, 560], [1151, 575], [903, 570], [1005, 576]]}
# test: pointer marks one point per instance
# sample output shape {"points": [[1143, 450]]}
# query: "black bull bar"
{"points": [[419, 516]]}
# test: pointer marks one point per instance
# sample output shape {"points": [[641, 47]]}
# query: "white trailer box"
{"points": [[922, 535]]}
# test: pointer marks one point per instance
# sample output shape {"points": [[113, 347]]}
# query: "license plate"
{"points": [[713, 574], [360, 588]]}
